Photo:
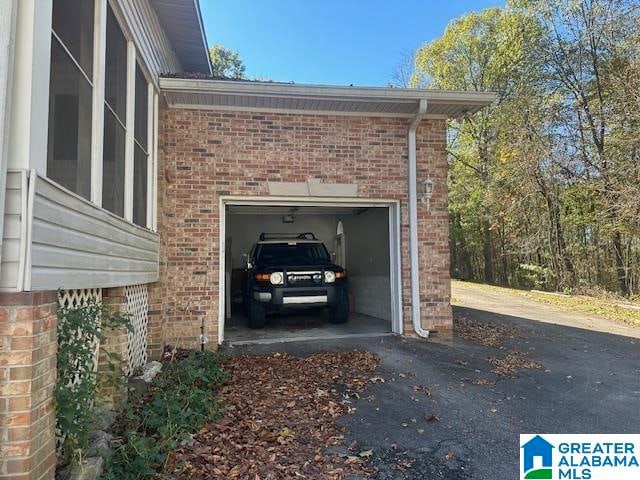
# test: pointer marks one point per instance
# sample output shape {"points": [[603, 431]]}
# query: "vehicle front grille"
{"points": [[301, 279]]}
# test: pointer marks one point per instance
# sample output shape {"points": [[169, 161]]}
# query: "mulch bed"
{"points": [[280, 420]]}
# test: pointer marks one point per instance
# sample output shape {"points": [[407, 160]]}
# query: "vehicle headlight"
{"points": [[276, 278], [329, 276]]}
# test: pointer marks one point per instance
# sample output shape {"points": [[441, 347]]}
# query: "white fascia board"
{"points": [[401, 95], [203, 33]]}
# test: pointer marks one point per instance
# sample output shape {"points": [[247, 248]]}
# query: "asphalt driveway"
{"points": [[442, 414]]}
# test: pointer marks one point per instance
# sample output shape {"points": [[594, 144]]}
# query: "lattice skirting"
{"points": [[78, 298], [73, 299], [138, 308]]}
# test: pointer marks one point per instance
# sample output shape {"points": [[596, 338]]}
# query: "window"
{"points": [[75, 127], [141, 153], [70, 96], [113, 164]]}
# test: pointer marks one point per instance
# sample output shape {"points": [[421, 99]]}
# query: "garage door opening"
{"points": [[361, 238]]}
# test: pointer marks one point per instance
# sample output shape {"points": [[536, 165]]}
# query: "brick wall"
{"points": [[28, 346], [112, 357], [205, 154]]}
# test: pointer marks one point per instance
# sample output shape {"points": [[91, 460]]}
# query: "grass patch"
{"points": [[602, 307], [606, 306], [177, 404]]}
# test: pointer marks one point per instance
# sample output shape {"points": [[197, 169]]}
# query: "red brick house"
{"points": [[120, 182]]}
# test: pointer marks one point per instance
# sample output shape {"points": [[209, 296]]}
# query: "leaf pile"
{"points": [[487, 334], [280, 420], [510, 365]]}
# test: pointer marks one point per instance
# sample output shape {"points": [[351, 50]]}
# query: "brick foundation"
{"points": [[28, 345], [112, 359], [205, 154]]}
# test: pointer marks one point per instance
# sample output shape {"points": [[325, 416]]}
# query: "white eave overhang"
{"points": [[182, 22], [318, 99]]}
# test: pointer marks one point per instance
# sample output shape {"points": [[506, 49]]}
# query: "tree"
{"points": [[485, 51], [226, 63], [404, 73], [545, 183], [585, 43]]}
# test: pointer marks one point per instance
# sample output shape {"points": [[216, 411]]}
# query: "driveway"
{"points": [[441, 413]]}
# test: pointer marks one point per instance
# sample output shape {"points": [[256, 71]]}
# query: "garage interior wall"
{"points": [[367, 253], [243, 230]]}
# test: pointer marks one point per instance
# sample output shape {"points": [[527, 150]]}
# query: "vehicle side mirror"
{"points": [[245, 260]]}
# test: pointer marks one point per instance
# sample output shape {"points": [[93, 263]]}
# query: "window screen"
{"points": [[115, 113], [70, 103]]}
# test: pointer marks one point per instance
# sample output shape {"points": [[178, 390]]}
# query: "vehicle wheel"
{"points": [[340, 312], [257, 315]]}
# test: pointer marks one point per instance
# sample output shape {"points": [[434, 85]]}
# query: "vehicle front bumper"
{"points": [[299, 296]]}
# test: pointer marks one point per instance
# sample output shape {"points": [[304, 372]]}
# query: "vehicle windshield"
{"points": [[291, 253]]}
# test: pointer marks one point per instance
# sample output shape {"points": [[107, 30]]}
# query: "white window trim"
{"points": [[97, 118], [150, 158], [154, 150], [129, 133]]}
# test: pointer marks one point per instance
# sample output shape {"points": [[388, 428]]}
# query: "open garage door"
{"points": [[361, 238]]}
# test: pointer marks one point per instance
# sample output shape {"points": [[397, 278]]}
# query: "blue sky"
{"points": [[337, 42]]}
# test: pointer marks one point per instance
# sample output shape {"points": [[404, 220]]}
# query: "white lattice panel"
{"points": [[77, 298], [138, 309], [73, 299]]}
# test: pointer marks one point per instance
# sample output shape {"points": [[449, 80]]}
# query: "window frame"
{"points": [[91, 82], [99, 108]]}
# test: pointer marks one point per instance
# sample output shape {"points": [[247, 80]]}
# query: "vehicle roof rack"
{"points": [[275, 236]]}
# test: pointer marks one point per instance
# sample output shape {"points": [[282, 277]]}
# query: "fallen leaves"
{"points": [[510, 365], [487, 334], [280, 419], [431, 417], [479, 381]]}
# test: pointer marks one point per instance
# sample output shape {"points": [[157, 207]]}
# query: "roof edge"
{"points": [[203, 34], [232, 87]]}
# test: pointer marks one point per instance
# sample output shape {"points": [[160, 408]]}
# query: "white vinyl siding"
{"points": [[14, 229], [75, 244], [70, 242]]}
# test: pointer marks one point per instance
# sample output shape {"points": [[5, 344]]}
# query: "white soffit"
{"points": [[182, 22], [319, 99]]}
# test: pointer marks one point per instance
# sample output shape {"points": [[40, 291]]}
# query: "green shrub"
{"points": [[532, 276], [79, 331], [180, 400]]}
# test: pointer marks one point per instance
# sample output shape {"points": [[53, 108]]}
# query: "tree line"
{"points": [[544, 185]]}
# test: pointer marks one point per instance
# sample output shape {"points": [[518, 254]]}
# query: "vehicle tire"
{"points": [[339, 313], [257, 315]]}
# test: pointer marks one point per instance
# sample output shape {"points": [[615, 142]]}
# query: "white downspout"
{"points": [[8, 9], [413, 222]]}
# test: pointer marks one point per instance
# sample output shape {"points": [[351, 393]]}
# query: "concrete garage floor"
{"points": [[291, 327], [590, 383]]}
